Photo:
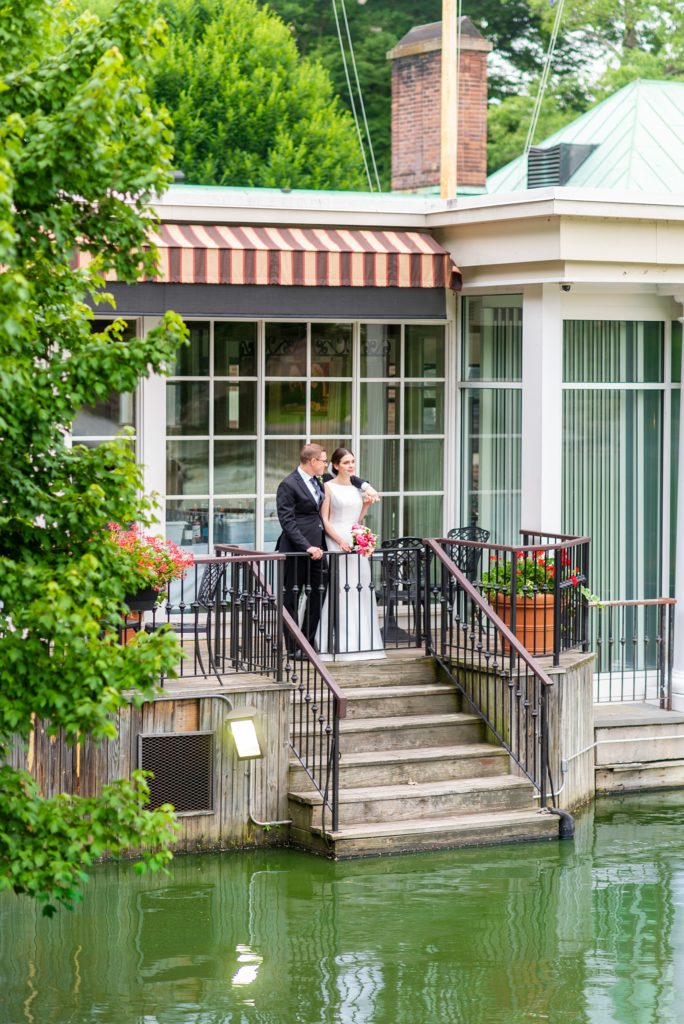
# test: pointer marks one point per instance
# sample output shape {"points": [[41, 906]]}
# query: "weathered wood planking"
{"points": [[83, 768]]}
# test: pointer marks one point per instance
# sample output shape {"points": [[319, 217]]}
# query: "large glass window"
{"points": [[100, 422], [491, 416], [211, 426], [246, 395], [492, 337], [613, 451], [612, 486], [402, 426], [491, 461]]}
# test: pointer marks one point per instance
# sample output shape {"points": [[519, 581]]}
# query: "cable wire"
{"points": [[358, 88], [542, 85], [351, 97]]}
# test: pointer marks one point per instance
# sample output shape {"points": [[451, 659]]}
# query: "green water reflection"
{"points": [[585, 931]]}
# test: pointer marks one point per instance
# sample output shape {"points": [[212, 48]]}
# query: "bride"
{"points": [[350, 595]]}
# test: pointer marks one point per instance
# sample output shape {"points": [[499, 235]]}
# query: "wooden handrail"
{"points": [[512, 547], [635, 604]]}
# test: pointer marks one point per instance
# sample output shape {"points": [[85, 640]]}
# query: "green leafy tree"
{"points": [[81, 154], [246, 108], [375, 27], [518, 34]]}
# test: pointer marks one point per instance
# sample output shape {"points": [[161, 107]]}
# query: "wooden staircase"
{"points": [[416, 772]]}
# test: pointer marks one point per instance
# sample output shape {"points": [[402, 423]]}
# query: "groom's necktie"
{"points": [[317, 490]]}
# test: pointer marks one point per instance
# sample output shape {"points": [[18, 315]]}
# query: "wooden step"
{"points": [[410, 698], [402, 767], [423, 800], [410, 731], [418, 835], [391, 672]]}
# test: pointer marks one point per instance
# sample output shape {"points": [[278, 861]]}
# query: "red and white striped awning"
{"points": [[218, 254]]}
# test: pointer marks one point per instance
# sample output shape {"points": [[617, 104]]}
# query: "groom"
{"points": [[298, 502]]}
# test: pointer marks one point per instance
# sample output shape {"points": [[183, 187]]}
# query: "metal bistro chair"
{"points": [[402, 585], [204, 602], [467, 559]]}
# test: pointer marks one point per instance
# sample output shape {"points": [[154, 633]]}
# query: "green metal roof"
{"points": [[639, 135]]}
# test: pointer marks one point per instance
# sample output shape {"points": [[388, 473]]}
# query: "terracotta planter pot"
{"points": [[534, 620]]}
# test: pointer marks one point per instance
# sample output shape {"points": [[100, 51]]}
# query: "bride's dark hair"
{"points": [[337, 457]]}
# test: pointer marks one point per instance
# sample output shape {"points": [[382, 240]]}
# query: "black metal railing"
{"points": [[496, 675], [536, 589], [285, 616], [349, 605], [225, 618], [634, 646], [318, 703]]}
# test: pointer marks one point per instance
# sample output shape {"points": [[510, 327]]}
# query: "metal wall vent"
{"points": [[183, 766], [555, 165]]}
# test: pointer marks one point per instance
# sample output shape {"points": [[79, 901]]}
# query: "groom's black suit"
{"points": [[300, 518]]}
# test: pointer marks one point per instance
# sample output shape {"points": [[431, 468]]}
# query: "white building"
{"points": [[545, 394]]}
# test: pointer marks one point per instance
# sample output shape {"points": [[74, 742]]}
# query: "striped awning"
{"points": [[218, 254]]}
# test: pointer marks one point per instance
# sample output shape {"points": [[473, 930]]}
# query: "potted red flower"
{"points": [[156, 562]]}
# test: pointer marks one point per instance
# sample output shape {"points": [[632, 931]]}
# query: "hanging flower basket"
{"points": [[144, 600]]}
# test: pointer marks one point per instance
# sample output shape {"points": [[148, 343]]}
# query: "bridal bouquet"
{"points": [[365, 541]]}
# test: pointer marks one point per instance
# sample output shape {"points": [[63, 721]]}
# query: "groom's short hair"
{"points": [[309, 452]]}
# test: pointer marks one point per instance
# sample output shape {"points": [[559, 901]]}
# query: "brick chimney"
{"points": [[416, 102]]}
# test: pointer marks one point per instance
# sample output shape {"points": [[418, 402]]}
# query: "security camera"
{"points": [[566, 287]]}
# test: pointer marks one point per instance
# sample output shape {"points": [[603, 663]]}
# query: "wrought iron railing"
{"points": [[225, 619], [245, 611], [536, 588], [634, 646], [318, 703], [229, 618], [361, 605], [498, 678]]}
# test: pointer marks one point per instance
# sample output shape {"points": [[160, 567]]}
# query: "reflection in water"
{"points": [[583, 932]]}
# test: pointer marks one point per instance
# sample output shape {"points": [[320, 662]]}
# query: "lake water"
{"points": [[590, 930]]}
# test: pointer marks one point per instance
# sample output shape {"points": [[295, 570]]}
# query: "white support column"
{"points": [[542, 408], [152, 432], [453, 449], [678, 667]]}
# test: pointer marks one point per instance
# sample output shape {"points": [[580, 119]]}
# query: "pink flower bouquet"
{"points": [[364, 540]]}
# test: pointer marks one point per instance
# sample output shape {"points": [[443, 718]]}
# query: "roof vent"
{"points": [[555, 165]]}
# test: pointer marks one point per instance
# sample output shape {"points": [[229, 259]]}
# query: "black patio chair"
{"points": [[403, 573], [204, 604], [467, 559]]}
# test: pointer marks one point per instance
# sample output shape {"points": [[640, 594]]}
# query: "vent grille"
{"points": [[555, 165], [183, 766]]}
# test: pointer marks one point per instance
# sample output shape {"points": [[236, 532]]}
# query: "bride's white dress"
{"points": [[355, 625]]}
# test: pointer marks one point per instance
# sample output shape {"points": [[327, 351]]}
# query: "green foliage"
{"points": [[518, 34], [82, 153], [69, 834], [247, 109], [375, 28], [614, 27], [508, 122]]}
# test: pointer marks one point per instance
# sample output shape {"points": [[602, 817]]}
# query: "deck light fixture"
{"points": [[241, 723]]}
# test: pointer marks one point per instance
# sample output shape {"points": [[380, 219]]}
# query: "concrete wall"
{"points": [[571, 729]]}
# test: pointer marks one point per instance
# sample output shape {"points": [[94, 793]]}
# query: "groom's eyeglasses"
{"points": [[324, 461]]}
